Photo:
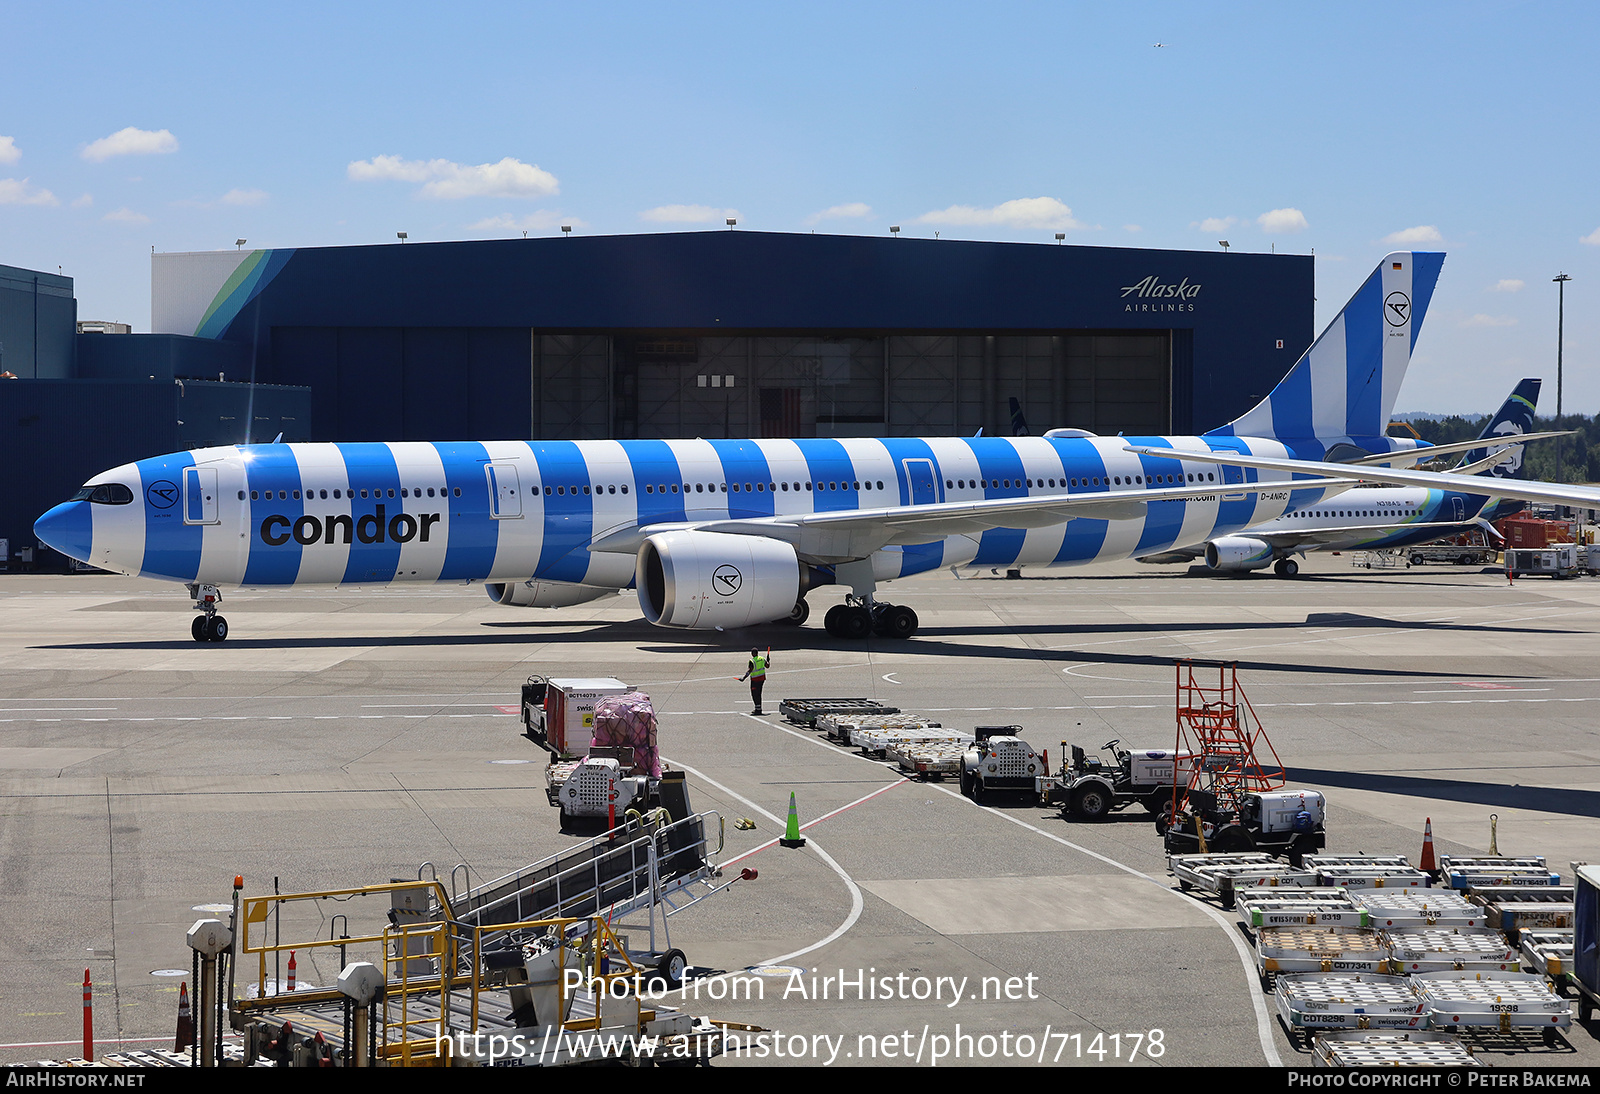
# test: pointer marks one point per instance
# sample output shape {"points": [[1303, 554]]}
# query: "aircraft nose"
{"points": [[68, 528]]}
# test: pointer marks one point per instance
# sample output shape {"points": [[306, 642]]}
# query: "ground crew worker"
{"points": [[756, 673]]}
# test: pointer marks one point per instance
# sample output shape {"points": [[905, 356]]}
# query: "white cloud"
{"points": [[854, 209], [9, 152], [1507, 284], [1481, 320], [687, 214], [243, 197], [542, 221], [126, 215], [1037, 213], [442, 179], [131, 142], [1132, 228], [1592, 239], [1215, 224], [18, 192], [1422, 233], [1282, 220], [83, 202]]}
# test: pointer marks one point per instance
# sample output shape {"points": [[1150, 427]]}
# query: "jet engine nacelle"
{"points": [[1238, 553], [712, 579], [543, 594]]}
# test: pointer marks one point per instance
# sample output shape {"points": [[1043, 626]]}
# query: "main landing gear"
{"points": [[1286, 567], [859, 616], [209, 626]]}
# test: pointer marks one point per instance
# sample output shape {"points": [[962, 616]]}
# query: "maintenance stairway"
{"points": [[496, 960]]}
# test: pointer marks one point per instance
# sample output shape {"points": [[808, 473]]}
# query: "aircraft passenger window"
{"points": [[761, 487], [785, 486], [648, 489], [858, 486], [612, 489], [296, 495], [624, 488], [456, 492], [808, 486], [880, 484], [725, 487], [241, 495], [674, 488], [253, 496], [585, 489]]}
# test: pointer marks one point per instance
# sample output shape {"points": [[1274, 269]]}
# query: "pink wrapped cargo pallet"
{"points": [[629, 719]]}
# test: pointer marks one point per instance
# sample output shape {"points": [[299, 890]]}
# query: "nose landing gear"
{"points": [[209, 626]]}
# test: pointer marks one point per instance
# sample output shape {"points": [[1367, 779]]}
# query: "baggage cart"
{"points": [[1502, 1001], [1549, 952], [1227, 872], [805, 712], [1318, 949], [1443, 949], [929, 759], [877, 742], [1315, 1001], [1419, 908], [1298, 908], [1482, 871], [1515, 908], [1367, 871], [1397, 1048], [844, 727]]}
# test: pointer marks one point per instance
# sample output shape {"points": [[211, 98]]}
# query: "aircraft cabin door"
{"points": [[923, 487], [1460, 508], [505, 491], [1232, 475], [200, 495]]}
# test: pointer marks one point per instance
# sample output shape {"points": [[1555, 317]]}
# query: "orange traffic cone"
{"points": [[291, 970], [1428, 863], [185, 1036]]}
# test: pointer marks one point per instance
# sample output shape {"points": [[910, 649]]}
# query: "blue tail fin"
{"points": [[1514, 417], [1344, 386]]}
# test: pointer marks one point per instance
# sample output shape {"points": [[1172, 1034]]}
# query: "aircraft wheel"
{"points": [[216, 629], [900, 622], [1287, 567], [799, 613], [831, 622], [854, 623], [198, 628]]}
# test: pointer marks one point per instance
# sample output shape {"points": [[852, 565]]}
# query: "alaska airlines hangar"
{"points": [[747, 334]]}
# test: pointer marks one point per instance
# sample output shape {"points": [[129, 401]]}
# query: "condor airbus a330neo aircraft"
{"points": [[731, 533]]}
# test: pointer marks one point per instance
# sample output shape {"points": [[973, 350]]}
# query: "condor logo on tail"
{"points": [[277, 529]]}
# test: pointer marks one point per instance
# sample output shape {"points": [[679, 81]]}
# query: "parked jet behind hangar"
{"points": [[730, 533], [1370, 519]]}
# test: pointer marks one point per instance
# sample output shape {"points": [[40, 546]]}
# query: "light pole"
{"points": [[1561, 316]]}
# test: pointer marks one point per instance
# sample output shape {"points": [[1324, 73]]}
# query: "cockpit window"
{"points": [[108, 493]]}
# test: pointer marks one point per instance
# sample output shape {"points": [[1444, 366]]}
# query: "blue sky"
{"points": [[1347, 130]]}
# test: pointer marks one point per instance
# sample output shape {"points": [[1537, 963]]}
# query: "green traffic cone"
{"points": [[792, 836]]}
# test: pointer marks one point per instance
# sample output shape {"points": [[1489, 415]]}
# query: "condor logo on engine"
{"points": [[277, 529]]}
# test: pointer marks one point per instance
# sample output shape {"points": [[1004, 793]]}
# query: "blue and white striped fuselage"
{"points": [[363, 513]]}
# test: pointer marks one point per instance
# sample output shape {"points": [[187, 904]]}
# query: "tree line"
{"points": [[1579, 455]]}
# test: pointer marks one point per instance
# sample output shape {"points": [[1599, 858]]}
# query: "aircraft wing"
{"points": [[850, 534], [1482, 485], [1410, 457]]}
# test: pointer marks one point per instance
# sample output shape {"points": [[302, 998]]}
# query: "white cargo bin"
{"points": [[1317, 1001], [1319, 949], [1298, 908], [1419, 908], [567, 720], [1549, 952], [1391, 1048], [1482, 871], [1499, 1000], [1442, 949]]}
